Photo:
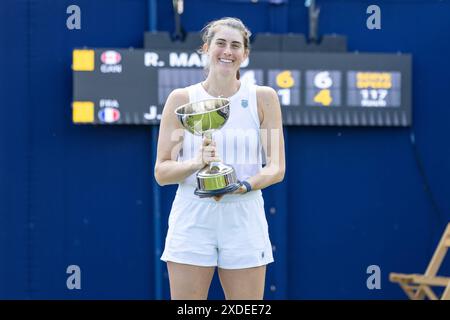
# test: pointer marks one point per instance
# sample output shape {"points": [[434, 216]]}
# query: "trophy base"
{"points": [[216, 179], [212, 193]]}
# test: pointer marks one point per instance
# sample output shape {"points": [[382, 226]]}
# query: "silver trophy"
{"points": [[203, 118]]}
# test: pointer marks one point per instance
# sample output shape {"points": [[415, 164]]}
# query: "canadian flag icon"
{"points": [[110, 57]]}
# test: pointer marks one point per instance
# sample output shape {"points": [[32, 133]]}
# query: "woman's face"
{"points": [[226, 51]]}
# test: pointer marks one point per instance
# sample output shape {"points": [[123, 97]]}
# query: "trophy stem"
{"points": [[213, 166]]}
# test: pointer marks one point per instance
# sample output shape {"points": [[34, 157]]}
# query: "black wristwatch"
{"points": [[247, 186]]}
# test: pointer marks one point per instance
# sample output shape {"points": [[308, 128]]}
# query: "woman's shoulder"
{"points": [[266, 98], [263, 92], [266, 95], [184, 93], [179, 93], [178, 97]]}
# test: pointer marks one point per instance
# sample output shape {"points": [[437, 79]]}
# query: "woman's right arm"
{"points": [[167, 169]]}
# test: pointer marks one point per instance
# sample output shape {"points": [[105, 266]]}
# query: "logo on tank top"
{"points": [[244, 103]]}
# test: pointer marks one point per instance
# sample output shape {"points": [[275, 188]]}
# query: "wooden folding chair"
{"points": [[419, 286]]}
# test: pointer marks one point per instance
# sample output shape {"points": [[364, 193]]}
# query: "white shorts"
{"points": [[231, 233]]}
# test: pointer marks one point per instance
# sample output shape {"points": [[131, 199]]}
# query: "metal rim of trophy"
{"points": [[178, 113]]}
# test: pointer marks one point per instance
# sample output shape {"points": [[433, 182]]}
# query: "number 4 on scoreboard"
{"points": [[323, 97]]}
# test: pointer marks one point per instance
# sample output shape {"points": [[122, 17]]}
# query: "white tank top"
{"points": [[238, 142]]}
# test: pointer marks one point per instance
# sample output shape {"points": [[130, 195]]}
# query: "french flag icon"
{"points": [[109, 115]]}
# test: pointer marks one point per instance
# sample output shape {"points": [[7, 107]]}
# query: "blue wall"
{"points": [[82, 195]]}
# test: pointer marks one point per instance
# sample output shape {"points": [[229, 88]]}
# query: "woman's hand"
{"points": [[242, 189], [206, 154]]}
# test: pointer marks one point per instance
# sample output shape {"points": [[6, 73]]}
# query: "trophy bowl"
{"points": [[202, 118]]}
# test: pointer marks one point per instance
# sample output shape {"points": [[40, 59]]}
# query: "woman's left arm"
{"points": [[272, 139]]}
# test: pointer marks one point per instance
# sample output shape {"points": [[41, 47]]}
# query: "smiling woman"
{"points": [[228, 231], [236, 32]]}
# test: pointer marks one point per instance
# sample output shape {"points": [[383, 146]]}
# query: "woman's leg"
{"points": [[188, 282], [243, 284]]}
